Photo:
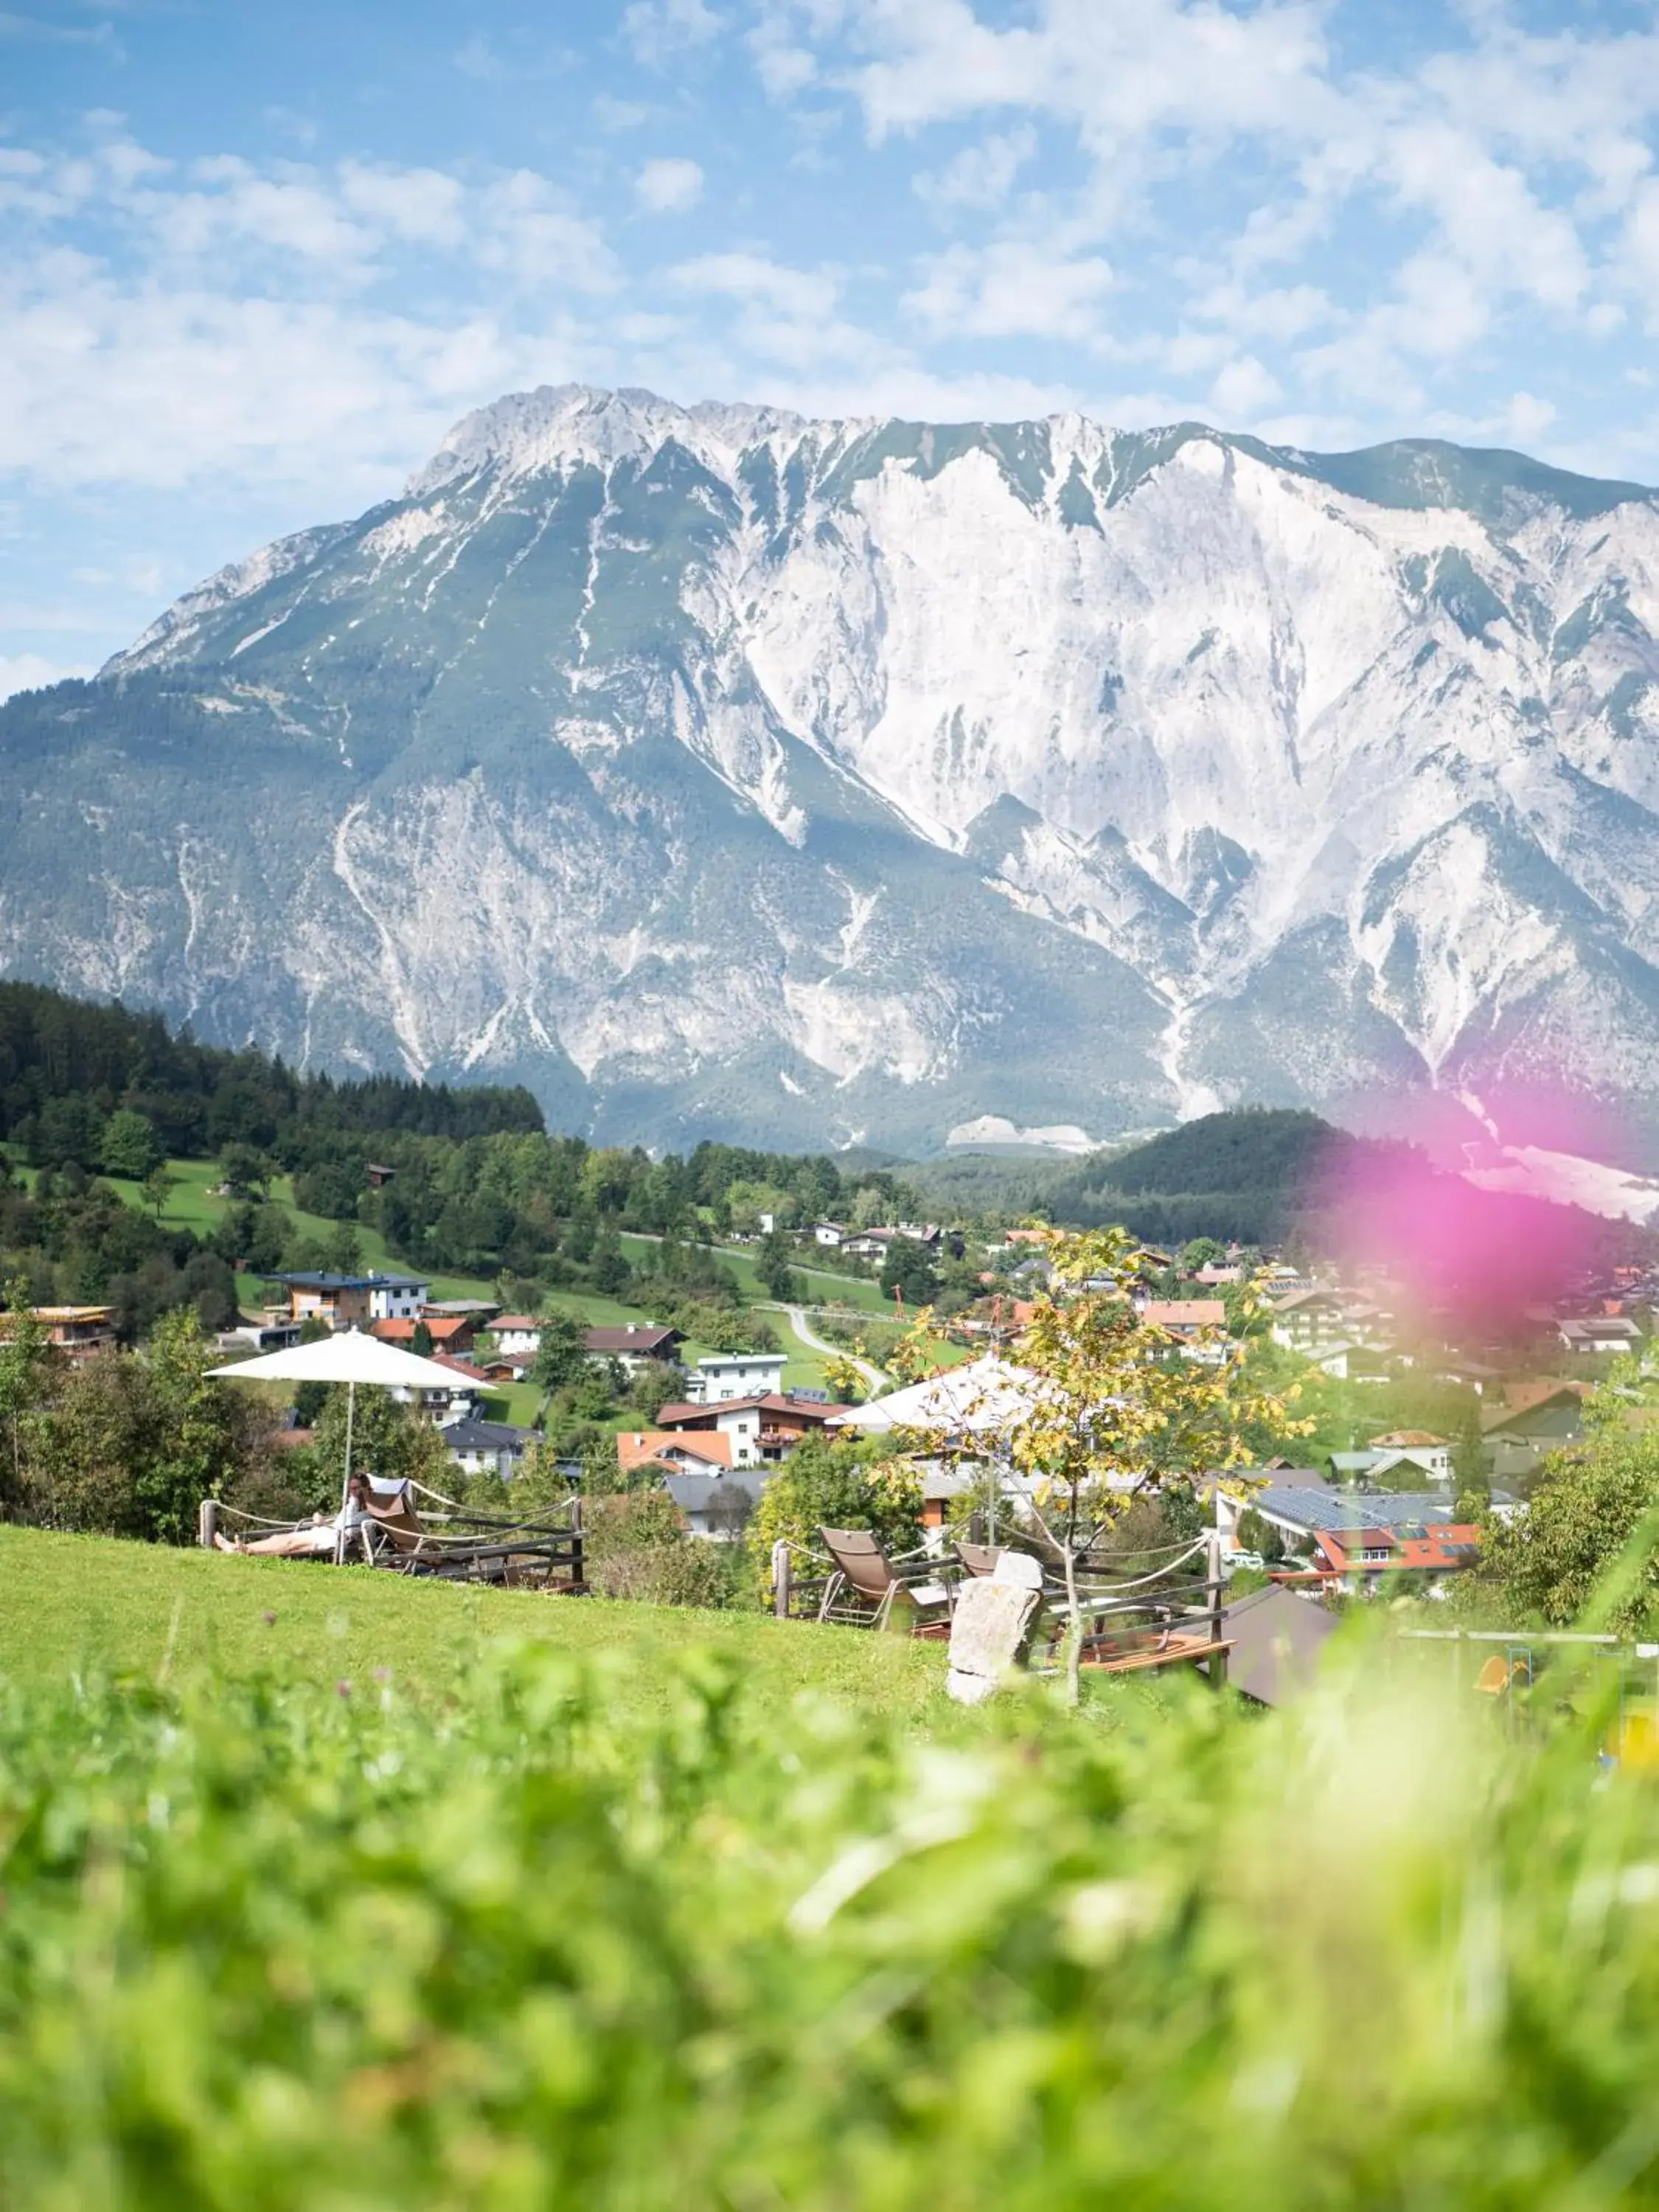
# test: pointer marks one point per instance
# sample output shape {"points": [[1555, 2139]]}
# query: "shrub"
{"points": [[635, 1546], [1584, 1511], [844, 1485]]}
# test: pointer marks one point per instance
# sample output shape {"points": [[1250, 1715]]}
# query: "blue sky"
{"points": [[254, 260]]}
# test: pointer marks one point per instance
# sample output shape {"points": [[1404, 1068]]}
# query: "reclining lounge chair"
{"points": [[866, 1584]]}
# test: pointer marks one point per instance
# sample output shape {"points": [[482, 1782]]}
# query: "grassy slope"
{"points": [[192, 1204], [77, 1605]]}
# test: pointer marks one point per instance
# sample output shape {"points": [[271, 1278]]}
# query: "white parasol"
{"points": [[980, 1401], [347, 1356], [988, 1395]]}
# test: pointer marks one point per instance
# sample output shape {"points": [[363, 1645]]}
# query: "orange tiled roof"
{"points": [[441, 1329], [1185, 1313], [635, 1447]]}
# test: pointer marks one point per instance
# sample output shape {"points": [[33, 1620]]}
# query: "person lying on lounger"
{"points": [[317, 1538]]}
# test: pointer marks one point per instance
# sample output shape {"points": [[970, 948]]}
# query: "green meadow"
{"points": [[322, 1889]]}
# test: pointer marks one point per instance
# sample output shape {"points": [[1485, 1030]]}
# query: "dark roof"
{"points": [[486, 1436], [1277, 1640], [640, 1337], [765, 1401], [321, 1282], [695, 1494], [1340, 1510]]}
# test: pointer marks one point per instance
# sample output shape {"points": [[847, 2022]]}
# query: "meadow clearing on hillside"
{"points": [[639, 1911], [193, 1202]]}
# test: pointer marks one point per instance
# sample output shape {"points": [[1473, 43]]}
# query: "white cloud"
{"points": [[28, 672], [1121, 70], [169, 366], [781, 43], [657, 30], [1010, 289], [424, 206], [1527, 419], [1279, 314], [1417, 211], [294, 210], [525, 228], [784, 315], [981, 175], [668, 186], [753, 276], [1243, 391], [613, 114]]}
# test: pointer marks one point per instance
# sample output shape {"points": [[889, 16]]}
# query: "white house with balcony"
{"points": [[734, 1375]]}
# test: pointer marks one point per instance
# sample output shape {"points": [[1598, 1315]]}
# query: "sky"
{"points": [[254, 260]]}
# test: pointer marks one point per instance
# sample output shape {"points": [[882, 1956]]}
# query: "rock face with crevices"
{"points": [[718, 771]]}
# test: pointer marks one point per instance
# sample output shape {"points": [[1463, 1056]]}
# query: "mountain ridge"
{"points": [[856, 779]]}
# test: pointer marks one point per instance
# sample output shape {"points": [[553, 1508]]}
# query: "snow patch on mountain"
{"points": [[996, 1129]]}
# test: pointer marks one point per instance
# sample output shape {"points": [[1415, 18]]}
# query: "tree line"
{"points": [[106, 1088], [477, 1185]]}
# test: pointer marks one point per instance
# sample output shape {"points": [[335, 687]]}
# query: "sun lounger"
{"points": [[866, 1584]]}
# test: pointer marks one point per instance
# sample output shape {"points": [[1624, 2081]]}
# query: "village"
{"points": [[1396, 1504]]}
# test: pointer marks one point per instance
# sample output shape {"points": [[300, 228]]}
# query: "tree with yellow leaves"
{"points": [[1119, 1407], [916, 1354], [845, 1377]]}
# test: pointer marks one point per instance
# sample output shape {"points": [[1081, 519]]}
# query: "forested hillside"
{"points": [[67, 1067], [475, 1185], [1255, 1175]]}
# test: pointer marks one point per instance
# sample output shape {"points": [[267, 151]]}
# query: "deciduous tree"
{"points": [[1119, 1409], [28, 1365], [194, 1431], [561, 1355], [127, 1146], [1590, 1532]]}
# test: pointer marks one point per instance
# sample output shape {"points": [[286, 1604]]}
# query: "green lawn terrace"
{"points": [[90, 1606]]}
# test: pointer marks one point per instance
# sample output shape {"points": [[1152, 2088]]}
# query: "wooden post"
{"points": [[578, 1574], [340, 1542], [781, 1578], [1218, 1619], [207, 1523]]}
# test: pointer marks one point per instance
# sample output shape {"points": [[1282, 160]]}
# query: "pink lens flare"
{"points": [[1485, 1262]]}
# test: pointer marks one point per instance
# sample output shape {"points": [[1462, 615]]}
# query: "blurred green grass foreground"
{"points": [[320, 1890]]}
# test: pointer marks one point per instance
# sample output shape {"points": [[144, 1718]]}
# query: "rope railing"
{"points": [[1139, 1582], [485, 1520], [483, 1546], [1174, 1552], [256, 1519]]}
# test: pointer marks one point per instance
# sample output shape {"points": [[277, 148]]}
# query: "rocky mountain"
{"points": [[716, 771]]}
